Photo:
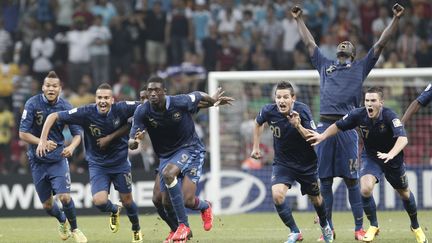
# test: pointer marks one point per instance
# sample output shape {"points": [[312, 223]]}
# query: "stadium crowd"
{"points": [[125, 42]]}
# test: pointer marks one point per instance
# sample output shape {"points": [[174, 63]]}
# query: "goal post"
{"points": [[414, 80]]}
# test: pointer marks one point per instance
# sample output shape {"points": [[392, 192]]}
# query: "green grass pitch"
{"points": [[253, 227]]}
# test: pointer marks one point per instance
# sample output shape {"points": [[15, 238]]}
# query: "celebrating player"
{"points": [[340, 92], [384, 138], [168, 121], [294, 160], [50, 172], [106, 154], [423, 100]]}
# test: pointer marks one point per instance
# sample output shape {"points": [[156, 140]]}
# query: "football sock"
{"points": [[411, 208], [108, 207], [70, 212], [320, 210], [163, 213], [369, 208], [200, 204], [176, 197], [57, 213], [286, 215], [327, 194], [132, 213], [356, 205]]}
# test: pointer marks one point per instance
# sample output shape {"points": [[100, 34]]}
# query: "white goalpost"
{"points": [[411, 81]]}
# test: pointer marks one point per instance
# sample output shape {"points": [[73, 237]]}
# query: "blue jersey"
{"points": [[426, 96], [96, 125], [171, 129], [36, 110], [291, 149], [341, 85], [379, 135]]}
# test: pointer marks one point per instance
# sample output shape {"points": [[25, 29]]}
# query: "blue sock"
{"points": [[356, 205], [70, 212], [172, 217], [411, 208], [57, 213], [108, 207], [200, 204], [320, 210], [165, 216], [369, 208], [176, 197], [327, 194], [286, 215], [132, 213]]}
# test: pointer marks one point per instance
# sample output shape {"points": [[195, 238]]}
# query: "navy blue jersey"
{"points": [[291, 149], [96, 125], [36, 110], [341, 85], [379, 135], [426, 96], [171, 129]]}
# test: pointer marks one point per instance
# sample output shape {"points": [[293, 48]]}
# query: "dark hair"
{"points": [[156, 79], [52, 74], [285, 85], [377, 90], [104, 86]]}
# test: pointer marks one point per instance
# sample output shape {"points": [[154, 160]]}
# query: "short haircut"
{"points": [[156, 79], [285, 85], [104, 86], [377, 90], [52, 74]]}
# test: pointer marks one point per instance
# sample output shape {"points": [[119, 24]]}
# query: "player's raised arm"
{"points": [[389, 31], [43, 147], [305, 34], [215, 100], [412, 109], [257, 132]]}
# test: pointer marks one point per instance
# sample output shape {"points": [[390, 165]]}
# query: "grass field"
{"points": [[258, 227]]}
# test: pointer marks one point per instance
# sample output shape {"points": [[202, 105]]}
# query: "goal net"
{"points": [[236, 183]]}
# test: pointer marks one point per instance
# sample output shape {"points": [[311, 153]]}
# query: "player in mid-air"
{"points": [[423, 100], [106, 152], [384, 138], [50, 173], [294, 160], [340, 92], [168, 121]]}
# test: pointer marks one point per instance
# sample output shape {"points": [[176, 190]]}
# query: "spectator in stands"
{"points": [[271, 33], [99, 51], [7, 124], [22, 83], [210, 47], [5, 39], [123, 90], [178, 31], [407, 44], [155, 22], [137, 29], [290, 39], [42, 50], [8, 70], [226, 56], [201, 21], [105, 9], [423, 54], [121, 48]]}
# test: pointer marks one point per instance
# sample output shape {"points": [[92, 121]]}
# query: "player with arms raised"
{"points": [[340, 91], [294, 160], [106, 152], [50, 172], [384, 138]]}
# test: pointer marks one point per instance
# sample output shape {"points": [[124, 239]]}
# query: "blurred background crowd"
{"points": [[123, 42]]}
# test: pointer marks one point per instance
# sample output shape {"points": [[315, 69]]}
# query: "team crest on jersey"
{"points": [[116, 122], [397, 122], [382, 128], [331, 69], [176, 116], [153, 123]]}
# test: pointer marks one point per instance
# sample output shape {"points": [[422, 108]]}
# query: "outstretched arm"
{"points": [[294, 119], [257, 132], [389, 30], [315, 138], [305, 34], [42, 147], [105, 141], [214, 100], [400, 144], [412, 109]]}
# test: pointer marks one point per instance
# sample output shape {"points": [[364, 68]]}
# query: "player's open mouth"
{"points": [[370, 110]]}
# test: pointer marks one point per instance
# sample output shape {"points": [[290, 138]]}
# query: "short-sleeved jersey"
{"points": [[341, 85], [291, 149], [379, 135], [426, 96], [96, 125], [36, 110], [171, 129]]}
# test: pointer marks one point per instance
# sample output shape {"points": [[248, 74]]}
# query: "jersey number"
{"points": [[95, 131], [276, 131], [39, 119], [364, 133]]}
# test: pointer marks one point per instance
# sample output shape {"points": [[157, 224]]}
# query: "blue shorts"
{"points": [[190, 161], [338, 155], [101, 179], [51, 178], [308, 180], [395, 176]]}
